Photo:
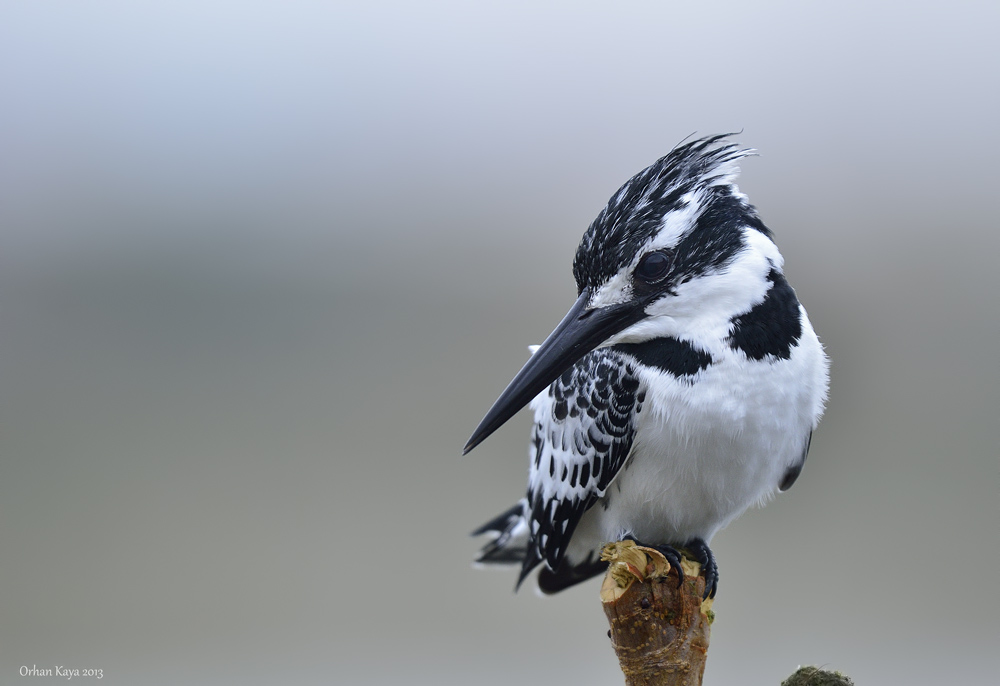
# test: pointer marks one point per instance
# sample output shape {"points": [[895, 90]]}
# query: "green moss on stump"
{"points": [[814, 676]]}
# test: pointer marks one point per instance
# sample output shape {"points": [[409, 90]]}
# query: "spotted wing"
{"points": [[583, 433]]}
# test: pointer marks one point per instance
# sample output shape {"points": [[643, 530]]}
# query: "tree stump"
{"points": [[660, 631]]}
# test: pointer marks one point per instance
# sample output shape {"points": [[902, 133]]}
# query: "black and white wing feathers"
{"points": [[582, 437]]}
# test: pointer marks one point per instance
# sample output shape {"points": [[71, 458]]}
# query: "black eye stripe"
{"points": [[654, 266]]}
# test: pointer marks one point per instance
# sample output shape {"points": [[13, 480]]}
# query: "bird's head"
{"points": [[677, 251]]}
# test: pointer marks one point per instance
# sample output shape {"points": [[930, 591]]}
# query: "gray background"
{"points": [[263, 267]]}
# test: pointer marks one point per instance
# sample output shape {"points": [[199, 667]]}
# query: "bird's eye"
{"points": [[653, 266]]}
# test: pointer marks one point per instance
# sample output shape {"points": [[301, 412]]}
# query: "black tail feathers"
{"points": [[510, 546], [510, 538]]}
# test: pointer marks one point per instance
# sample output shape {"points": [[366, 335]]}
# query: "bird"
{"points": [[682, 387]]}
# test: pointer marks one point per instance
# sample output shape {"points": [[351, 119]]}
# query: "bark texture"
{"points": [[660, 631]]}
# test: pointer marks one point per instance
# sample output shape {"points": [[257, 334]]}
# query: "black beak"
{"points": [[580, 331]]}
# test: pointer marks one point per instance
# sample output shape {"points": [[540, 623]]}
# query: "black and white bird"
{"points": [[682, 387]]}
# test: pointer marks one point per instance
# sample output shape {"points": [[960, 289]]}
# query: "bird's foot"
{"points": [[699, 551], [672, 554], [703, 554]]}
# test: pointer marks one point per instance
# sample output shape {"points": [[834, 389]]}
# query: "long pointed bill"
{"points": [[580, 331]]}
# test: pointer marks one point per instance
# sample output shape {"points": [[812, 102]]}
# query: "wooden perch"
{"points": [[659, 631]]}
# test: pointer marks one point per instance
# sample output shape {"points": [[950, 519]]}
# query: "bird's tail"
{"points": [[509, 532], [509, 546]]}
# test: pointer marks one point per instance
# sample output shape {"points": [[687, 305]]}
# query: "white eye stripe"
{"points": [[676, 224]]}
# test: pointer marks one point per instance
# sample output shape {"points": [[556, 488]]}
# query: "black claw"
{"points": [[672, 555], [674, 558], [709, 568]]}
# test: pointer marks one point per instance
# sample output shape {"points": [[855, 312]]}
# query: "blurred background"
{"points": [[264, 266]]}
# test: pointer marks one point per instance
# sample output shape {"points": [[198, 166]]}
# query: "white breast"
{"points": [[709, 447]]}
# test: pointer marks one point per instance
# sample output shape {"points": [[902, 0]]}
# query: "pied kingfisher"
{"points": [[681, 388]]}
